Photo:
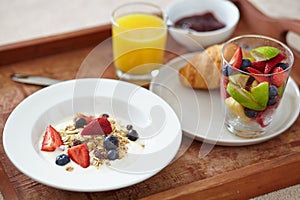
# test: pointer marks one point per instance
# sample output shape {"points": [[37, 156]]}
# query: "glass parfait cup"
{"points": [[254, 76]]}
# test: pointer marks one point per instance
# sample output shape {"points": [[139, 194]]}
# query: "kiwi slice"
{"points": [[264, 53], [255, 99], [239, 79]]}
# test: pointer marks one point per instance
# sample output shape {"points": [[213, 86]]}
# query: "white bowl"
{"points": [[156, 122], [225, 11]]}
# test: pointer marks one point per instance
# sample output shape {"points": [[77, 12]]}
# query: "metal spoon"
{"points": [[34, 80]]}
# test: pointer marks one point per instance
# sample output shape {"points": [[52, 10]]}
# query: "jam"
{"points": [[200, 22]]}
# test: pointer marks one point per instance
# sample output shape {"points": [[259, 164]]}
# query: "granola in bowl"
{"points": [[89, 141]]}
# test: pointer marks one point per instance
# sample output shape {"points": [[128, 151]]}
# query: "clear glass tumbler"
{"points": [[139, 37], [254, 75]]}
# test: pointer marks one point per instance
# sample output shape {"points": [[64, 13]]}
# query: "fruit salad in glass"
{"points": [[254, 75]]}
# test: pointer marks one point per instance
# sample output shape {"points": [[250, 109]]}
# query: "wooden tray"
{"points": [[226, 172]]}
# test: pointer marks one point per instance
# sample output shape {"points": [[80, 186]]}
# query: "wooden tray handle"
{"points": [[262, 24], [259, 23]]}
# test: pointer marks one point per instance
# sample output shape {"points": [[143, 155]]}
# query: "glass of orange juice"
{"points": [[139, 37]]}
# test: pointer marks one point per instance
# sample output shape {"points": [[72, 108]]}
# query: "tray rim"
{"points": [[44, 46], [262, 173], [281, 166]]}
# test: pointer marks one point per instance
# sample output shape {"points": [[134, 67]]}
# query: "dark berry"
{"points": [[129, 127], [132, 135], [227, 70], [250, 113], [111, 142], [249, 83], [272, 101], [76, 142], [62, 159], [80, 123], [273, 91], [245, 63], [250, 80], [105, 115], [282, 65], [100, 153], [112, 154]]}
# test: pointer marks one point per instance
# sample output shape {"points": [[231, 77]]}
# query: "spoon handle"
{"points": [[34, 80]]}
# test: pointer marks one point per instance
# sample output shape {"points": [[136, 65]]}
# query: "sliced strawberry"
{"points": [[237, 58], [52, 139], [80, 155], [263, 118], [273, 62], [258, 75], [105, 125], [279, 78], [99, 126], [224, 83], [260, 119], [86, 117], [259, 65]]}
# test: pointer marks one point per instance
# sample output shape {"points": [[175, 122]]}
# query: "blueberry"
{"points": [[100, 153], [129, 127], [105, 115], [272, 101], [132, 135], [111, 142], [227, 70], [80, 123], [62, 159], [282, 65], [112, 154], [245, 63], [273, 91], [250, 113]]}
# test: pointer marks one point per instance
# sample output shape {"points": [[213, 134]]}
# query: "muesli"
{"points": [[89, 141]]}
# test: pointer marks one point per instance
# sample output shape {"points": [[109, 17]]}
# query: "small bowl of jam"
{"points": [[197, 24]]}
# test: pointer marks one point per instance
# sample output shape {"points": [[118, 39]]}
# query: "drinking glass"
{"points": [[139, 36], [252, 88]]}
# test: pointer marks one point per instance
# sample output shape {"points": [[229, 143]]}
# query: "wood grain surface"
{"points": [[226, 172]]}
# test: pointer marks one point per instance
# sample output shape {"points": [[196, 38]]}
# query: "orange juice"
{"points": [[138, 43]]}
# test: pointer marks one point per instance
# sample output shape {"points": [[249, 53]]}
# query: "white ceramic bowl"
{"points": [[225, 11], [158, 126]]}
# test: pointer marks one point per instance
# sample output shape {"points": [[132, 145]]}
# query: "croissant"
{"points": [[204, 69]]}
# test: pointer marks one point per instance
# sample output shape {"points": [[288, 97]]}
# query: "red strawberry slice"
{"points": [[263, 118], [259, 65], [52, 139], [260, 119], [224, 83], [99, 126], [273, 62], [80, 155], [86, 117], [260, 78], [237, 58], [279, 78]]}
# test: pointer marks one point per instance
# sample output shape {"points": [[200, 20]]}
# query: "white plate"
{"points": [[154, 119], [200, 111]]}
